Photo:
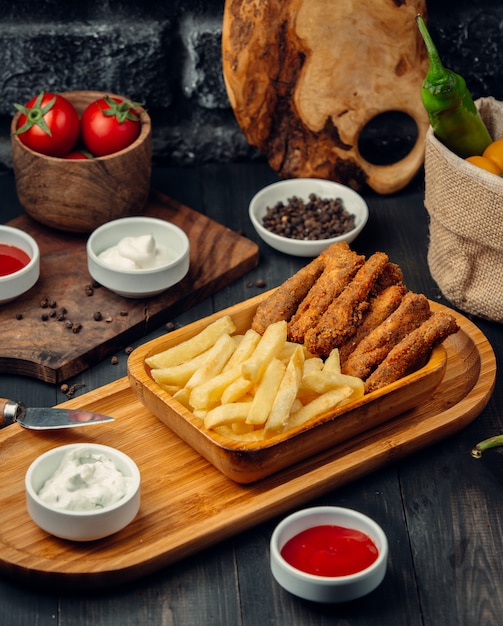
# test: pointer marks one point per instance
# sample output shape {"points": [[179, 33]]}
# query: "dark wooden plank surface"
{"points": [[441, 509]]}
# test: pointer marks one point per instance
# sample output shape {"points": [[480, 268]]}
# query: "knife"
{"points": [[46, 418]]}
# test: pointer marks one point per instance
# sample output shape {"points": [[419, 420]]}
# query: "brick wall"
{"points": [[167, 54]]}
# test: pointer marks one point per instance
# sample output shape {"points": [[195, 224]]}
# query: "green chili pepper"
{"points": [[487, 444], [453, 115]]}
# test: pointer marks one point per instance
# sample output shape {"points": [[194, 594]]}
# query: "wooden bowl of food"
{"points": [[80, 195], [250, 456], [268, 383]]}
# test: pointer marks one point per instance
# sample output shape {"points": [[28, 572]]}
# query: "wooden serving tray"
{"points": [[248, 461], [51, 352], [187, 504]]}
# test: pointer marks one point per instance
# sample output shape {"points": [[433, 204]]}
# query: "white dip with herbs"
{"points": [[136, 253], [84, 481]]}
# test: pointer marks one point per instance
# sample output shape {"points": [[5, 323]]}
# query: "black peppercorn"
{"points": [[312, 220]]}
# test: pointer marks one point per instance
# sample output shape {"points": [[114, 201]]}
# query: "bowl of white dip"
{"points": [[82, 491], [138, 257]]}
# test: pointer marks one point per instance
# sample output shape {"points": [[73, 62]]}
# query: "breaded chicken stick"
{"points": [[283, 302], [340, 267], [413, 350], [391, 275], [414, 309], [381, 306], [342, 317]]}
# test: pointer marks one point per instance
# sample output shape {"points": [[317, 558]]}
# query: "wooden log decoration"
{"points": [[304, 78]]}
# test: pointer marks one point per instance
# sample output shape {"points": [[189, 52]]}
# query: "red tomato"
{"points": [[48, 124], [78, 155], [109, 125]]}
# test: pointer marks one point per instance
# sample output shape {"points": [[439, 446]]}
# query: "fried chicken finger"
{"points": [[413, 350], [381, 306], [283, 302], [344, 314], [372, 349], [340, 267]]}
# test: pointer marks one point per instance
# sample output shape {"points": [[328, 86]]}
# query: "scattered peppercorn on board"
{"points": [[63, 324], [187, 504]]}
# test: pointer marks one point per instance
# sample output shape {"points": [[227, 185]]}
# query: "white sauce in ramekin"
{"points": [[84, 481], [136, 253]]}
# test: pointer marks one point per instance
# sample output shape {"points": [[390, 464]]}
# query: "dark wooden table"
{"points": [[440, 508]]}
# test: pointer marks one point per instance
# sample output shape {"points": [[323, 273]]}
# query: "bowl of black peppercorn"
{"points": [[303, 216]]}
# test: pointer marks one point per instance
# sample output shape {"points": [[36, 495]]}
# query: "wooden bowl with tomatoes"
{"points": [[90, 168]]}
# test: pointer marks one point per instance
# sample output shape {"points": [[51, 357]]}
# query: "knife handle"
{"points": [[8, 412]]}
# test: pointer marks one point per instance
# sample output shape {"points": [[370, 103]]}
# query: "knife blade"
{"points": [[46, 418]]}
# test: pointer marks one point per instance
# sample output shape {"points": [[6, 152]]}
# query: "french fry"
{"points": [[200, 414], [296, 406], [323, 381], [312, 364], [178, 375], [236, 390], [227, 414], [289, 348], [216, 357], [241, 428], [269, 347], [286, 395], [171, 389], [248, 387], [183, 396], [209, 394], [266, 392], [320, 406], [186, 350], [333, 362], [244, 350]]}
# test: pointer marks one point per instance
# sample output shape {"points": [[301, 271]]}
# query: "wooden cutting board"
{"points": [[304, 77], [187, 504], [51, 352]]}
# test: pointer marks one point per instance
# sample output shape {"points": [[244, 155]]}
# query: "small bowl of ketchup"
{"points": [[328, 554], [19, 263]]}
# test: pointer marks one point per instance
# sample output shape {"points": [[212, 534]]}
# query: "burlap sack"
{"points": [[465, 205]]}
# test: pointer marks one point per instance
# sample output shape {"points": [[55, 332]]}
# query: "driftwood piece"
{"points": [[304, 77]]}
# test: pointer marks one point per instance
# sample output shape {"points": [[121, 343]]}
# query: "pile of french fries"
{"points": [[251, 386]]}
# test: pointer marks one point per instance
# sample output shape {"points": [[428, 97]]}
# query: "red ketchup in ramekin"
{"points": [[12, 259], [330, 550]]}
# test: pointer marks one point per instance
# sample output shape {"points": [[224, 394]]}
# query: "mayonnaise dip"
{"points": [[136, 253], [84, 481]]}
